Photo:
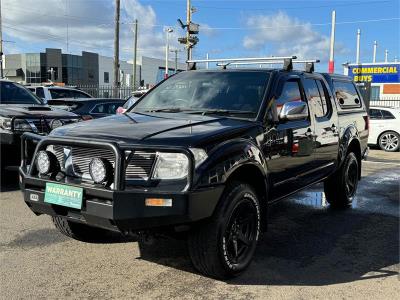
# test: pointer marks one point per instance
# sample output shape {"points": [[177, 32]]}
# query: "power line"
{"points": [[292, 7]]}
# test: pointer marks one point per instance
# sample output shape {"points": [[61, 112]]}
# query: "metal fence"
{"points": [[386, 101], [106, 91]]}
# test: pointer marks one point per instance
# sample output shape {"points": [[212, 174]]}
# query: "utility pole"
{"points": [[1, 45], [188, 20], [331, 68], [386, 55], [116, 48], [375, 48], [135, 30], [358, 46]]}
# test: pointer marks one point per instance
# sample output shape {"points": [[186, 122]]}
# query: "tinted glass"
{"points": [[99, 109], [387, 114], [315, 100], [78, 94], [12, 93], [40, 92], [375, 114], [290, 92], [325, 104], [232, 91], [346, 94], [60, 93]]}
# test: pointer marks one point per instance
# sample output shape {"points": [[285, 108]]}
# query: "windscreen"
{"points": [[239, 92], [13, 93]]}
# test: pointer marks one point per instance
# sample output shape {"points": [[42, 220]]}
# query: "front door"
{"points": [[289, 146]]}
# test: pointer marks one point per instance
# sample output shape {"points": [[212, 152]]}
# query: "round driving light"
{"points": [[56, 123], [46, 162], [100, 170]]}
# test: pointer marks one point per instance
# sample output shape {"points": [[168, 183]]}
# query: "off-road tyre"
{"points": [[211, 243], [340, 188], [80, 232]]}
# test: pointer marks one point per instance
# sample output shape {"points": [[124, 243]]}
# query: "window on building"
{"points": [[106, 77], [346, 94], [375, 93]]}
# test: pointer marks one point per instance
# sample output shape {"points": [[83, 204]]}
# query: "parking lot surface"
{"points": [[309, 251]]}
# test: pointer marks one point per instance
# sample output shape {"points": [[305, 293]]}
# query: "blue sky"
{"points": [[228, 28]]}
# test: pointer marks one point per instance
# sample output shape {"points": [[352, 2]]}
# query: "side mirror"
{"points": [[291, 111]]}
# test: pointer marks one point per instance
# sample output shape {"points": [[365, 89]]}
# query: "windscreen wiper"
{"points": [[227, 112], [169, 109]]}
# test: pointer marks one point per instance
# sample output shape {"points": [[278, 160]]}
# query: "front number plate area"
{"points": [[63, 195]]}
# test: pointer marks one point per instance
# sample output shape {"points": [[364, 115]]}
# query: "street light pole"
{"points": [[168, 31], [1, 45], [331, 68], [116, 48], [135, 53], [188, 20]]}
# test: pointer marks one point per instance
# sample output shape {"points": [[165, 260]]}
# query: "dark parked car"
{"points": [[21, 111], [89, 108], [205, 152]]}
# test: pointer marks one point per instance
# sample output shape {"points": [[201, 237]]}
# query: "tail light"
{"points": [[86, 117], [366, 119]]}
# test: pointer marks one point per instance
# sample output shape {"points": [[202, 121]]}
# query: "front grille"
{"points": [[81, 157], [140, 165]]}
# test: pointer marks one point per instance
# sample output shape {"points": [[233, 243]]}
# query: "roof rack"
{"points": [[224, 62], [309, 63]]}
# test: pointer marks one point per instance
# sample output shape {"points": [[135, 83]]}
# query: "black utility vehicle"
{"points": [[204, 152], [89, 108], [21, 111]]}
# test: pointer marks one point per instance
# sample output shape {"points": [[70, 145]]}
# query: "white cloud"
{"points": [[287, 36], [90, 26]]}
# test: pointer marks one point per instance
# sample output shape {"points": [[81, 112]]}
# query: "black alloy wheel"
{"points": [[240, 235]]}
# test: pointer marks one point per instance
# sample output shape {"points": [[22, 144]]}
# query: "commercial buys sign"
{"points": [[375, 73]]}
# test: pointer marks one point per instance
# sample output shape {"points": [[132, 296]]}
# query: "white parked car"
{"points": [[55, 92], [384, 129]]}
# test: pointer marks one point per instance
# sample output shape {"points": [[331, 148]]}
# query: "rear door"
{"points": [[324, 115]]}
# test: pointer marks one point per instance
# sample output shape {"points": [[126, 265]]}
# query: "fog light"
{"points": [[158, 202], [46, 162], [100, 170]]}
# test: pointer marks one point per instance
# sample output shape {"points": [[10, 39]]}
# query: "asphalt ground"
{"points": [[310, 251]]}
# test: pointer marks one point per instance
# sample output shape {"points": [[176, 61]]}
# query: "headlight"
{"points": [[22, 125], [56, 123], [5, 123], [46, 162], [100, 170], [171, 166]]}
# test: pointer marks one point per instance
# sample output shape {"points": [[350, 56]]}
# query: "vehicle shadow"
{"points": [[308, 246], [9, 181]]}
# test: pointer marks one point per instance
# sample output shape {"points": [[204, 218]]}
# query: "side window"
{"points": [[319, 106], [375, 114], [99, 109], [325, 99], [346, 94], [40, 92], [78, 94], [290, 92], [387, 114], [59, 93], [112, 108]]}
